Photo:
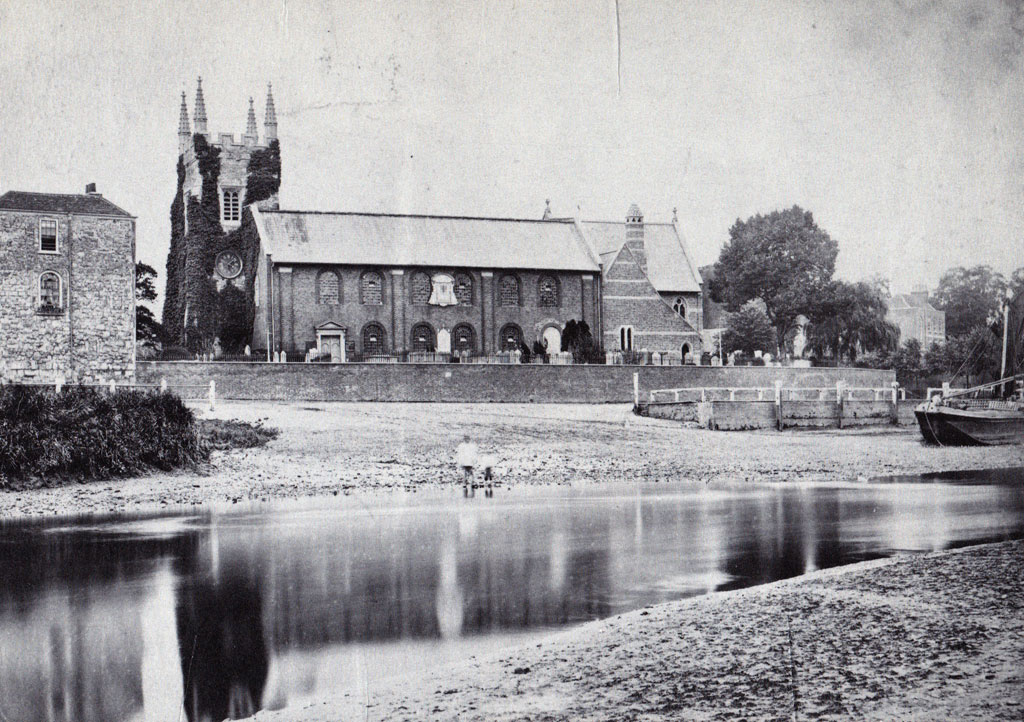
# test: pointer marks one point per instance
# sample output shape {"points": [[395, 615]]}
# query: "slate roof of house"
{"points": [[908, 300], [78, 204], [669, 266], [372, 239]]}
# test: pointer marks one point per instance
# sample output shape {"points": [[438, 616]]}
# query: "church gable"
{"points": [[631, 301]]}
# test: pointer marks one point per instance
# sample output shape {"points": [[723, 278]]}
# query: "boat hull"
{"points": [[969, 427]]}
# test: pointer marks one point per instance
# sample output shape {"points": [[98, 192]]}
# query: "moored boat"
{"points": [[957, 421]]}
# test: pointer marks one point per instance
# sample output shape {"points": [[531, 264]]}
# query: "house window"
{"points": [[464, 289], [374, 340], [679, 306], [509, 291], [423, 338], [511, 337], [231, 208], [547, 291], [371, 289], [625, 338], [48, 235], [463, 338], [51, 299], [328, 289], [419, 288]]}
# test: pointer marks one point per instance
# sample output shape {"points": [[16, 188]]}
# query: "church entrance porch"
{"points": [[330, 342]]}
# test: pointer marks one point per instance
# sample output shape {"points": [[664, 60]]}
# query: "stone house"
{"points": [[917, 318], [67, 287]]}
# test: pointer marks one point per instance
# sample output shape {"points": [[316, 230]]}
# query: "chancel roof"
{"points": [[80, 204], [369, 239], [668, 263]]}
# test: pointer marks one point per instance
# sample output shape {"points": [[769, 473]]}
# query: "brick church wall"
{"points": [[299, 313], [94, 335], [630, 300]]}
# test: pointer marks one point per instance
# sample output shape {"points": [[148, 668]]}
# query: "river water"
{"points": [[121, 619]]}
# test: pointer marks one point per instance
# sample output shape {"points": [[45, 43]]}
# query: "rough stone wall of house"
{"points": [[299, 311], [94, 333], [629, 299], [539, 383]]}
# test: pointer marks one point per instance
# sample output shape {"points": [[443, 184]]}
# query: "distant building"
{"points": [[917, 318], [67, 287]]}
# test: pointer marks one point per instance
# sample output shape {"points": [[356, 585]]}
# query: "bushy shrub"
{"points": [[51, 438], [221, 435]]}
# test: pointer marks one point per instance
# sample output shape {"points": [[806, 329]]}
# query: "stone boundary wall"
{"points": [[518, 383], [734, 415]]}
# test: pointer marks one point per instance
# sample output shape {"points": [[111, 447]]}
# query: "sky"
{"points": [[897, 124]]}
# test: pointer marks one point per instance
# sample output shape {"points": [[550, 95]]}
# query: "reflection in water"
{"points": [[216, 616], [223, 654]]}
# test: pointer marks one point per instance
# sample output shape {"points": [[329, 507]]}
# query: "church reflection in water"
{"points": [[215, 617]]}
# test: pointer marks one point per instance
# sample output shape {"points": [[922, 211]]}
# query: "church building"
{"points": [[348, 286]]}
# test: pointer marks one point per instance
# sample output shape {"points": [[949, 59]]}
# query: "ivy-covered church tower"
{"points": [[208, 304]]}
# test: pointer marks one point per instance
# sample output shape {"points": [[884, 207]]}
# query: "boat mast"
{"points": [[1006, 334]]}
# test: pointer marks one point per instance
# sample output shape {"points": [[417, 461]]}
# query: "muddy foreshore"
{"points": [[374, 448], [925, 637]]}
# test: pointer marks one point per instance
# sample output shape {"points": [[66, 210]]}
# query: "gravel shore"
{"points": [[929, 637], [372, 448]]}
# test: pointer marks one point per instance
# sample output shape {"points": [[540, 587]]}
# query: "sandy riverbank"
{"points": [[345, 448], [928, 637]]}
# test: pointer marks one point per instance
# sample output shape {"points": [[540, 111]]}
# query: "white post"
{"points": [[112, 389], [945, 389], [636, 388], [778, 393], [903, 394], [895, 388], [760, 394], [59, 383], [163, 384], [732, 394], [213, 394], [839, 391], [1006, 333], [703, 395]]}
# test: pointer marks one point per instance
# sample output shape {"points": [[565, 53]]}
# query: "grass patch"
{"points": [[222, 435], [49, 438]]}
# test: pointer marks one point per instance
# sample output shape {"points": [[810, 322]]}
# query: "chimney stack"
{"points": [[635, 236], [90, 189]]}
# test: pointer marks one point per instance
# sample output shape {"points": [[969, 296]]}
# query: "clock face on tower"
{"points": [[229, 264]]}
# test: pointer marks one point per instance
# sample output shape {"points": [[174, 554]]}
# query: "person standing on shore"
{"points": [[487, 462], [465, 457]]}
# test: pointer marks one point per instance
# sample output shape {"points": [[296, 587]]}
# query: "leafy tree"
{"points": [[783, 258], [147, 329], [974, 356], [970, 297], [232, 328], [848, 319], [907, 361], [748, 330]]}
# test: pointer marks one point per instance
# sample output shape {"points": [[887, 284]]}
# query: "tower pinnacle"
{"points": [[270, 119], [184, 131], [250, 127], [200, 109]]}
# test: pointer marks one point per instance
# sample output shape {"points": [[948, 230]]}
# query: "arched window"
{"points": [[371, 289], [547, 291], [685, 351], [625, 338], [374, 340], [464, 289], [509, 291], [679, 306], [511, 337], [328, 289], [423, 338], [50, 296], [419, 288], [463, 338]]}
